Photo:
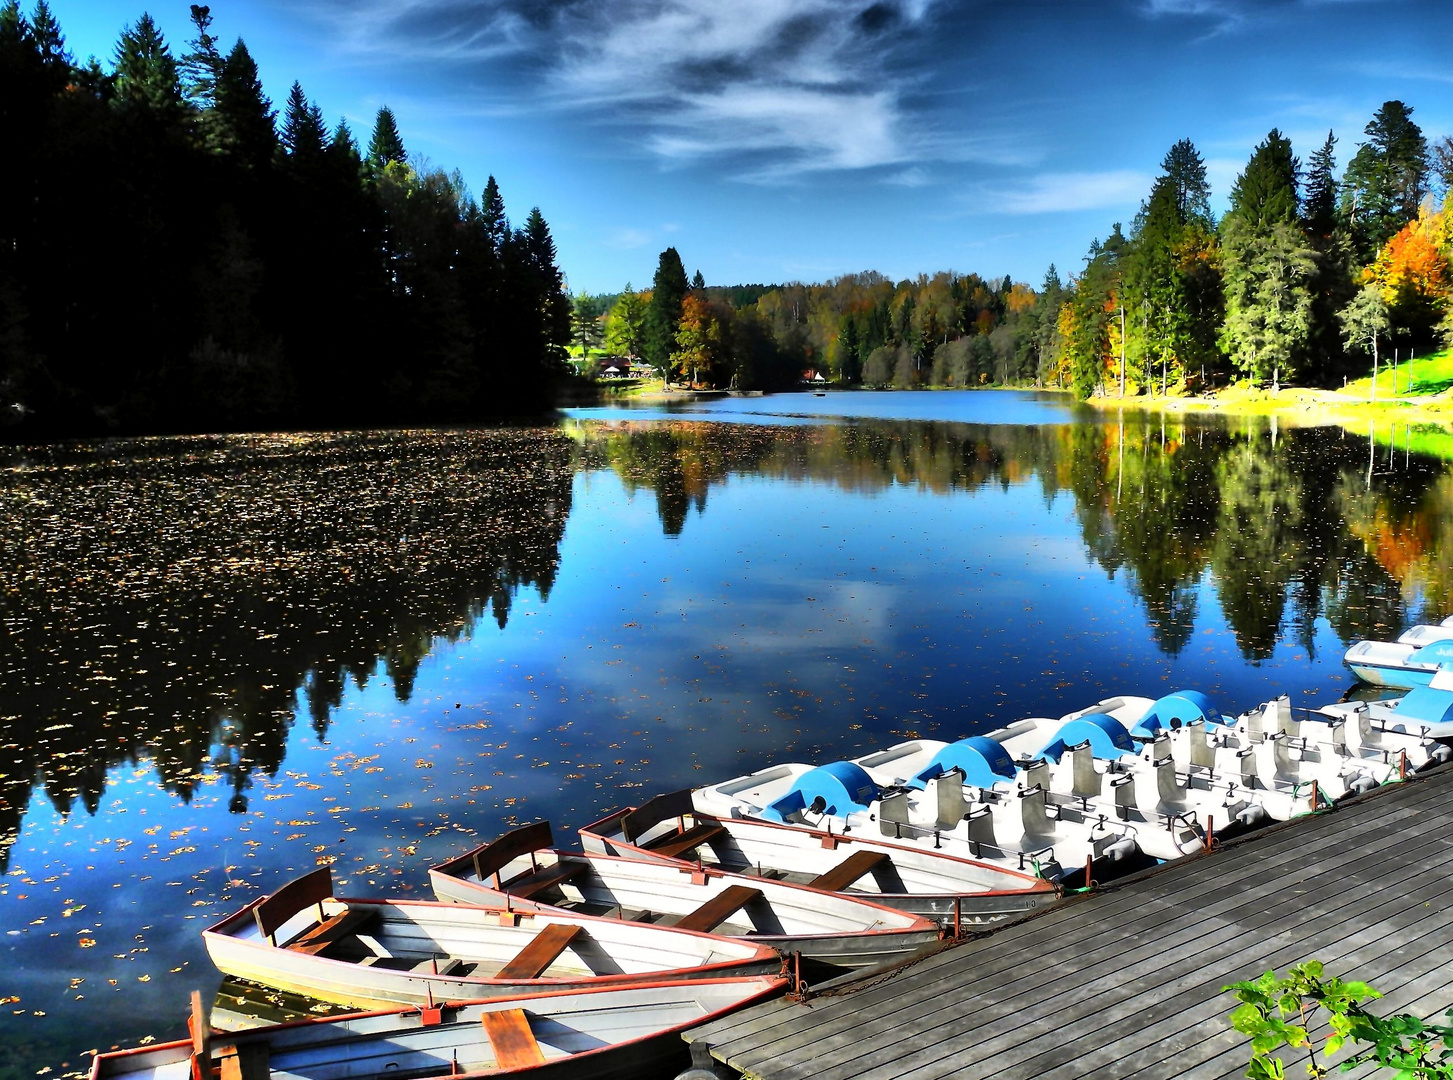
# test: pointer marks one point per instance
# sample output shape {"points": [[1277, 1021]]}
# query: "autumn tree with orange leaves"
{"points": [[698, 339], [1413, 276]]}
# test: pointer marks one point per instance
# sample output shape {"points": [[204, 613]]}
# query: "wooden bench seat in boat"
{"points": [[542, 951], [526, 888], [677, 843], [848, 871], [332, 929], [515, 1046], [714, 912]]}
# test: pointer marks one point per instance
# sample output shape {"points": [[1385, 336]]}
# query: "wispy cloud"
{"points": [[1397, 70], [770, 88], [624, 239], [914, 177], [1051, 193], [775, 88]]}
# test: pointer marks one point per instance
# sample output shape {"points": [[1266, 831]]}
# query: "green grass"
{"points": [[1431, 374]]}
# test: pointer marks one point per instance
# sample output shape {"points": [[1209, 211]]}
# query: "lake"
{"points": [[232, 659]]}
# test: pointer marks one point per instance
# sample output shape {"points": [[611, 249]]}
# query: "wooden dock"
{"points": [[1127, 982]]}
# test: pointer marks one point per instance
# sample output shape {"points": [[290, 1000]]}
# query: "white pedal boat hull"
{"points": [[1399, 665]]}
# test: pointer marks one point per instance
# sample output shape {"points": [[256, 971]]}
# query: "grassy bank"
{"points": [[1424, 396]]}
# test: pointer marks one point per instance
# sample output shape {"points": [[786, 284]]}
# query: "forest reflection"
{"points": [[181, 600], [1290, 524]]}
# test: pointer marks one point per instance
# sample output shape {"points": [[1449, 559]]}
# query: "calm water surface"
{"points": [[229, 660]]}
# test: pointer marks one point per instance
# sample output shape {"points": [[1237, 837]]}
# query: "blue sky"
{"points": [[776, 140]]}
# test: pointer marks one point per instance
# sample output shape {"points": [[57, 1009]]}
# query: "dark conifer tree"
{"points": [[1265, 194], [304, 135], [387, 144], [244, 120], [548, 286], [493, 221], [1191, 191], [201, 68], [698, 283], [1319, 207], [146, 72], [663, 313], [50, 47], [1386, 179], [1332, 284]]}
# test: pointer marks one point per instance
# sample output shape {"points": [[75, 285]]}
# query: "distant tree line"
{"points": [[1307, 277], [945, 330], [176, 255]]}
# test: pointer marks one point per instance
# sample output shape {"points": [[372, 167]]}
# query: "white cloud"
{"points": [[779, 81], [626, 239], [1051, 193], [774, 88]]}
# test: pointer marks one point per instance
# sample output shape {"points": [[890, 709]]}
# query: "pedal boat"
{"points": [[1401, 665]]}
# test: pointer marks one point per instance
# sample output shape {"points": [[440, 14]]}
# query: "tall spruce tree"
{"points": [[493, 221], [50, 46], [1171, 277], [1386, 179], [1269, 267], [243, 118], [1185, 170], [387, 144], [201, 67], [1319, 207], [1332, 284], [550, 303], [146, 72], [663, 314], [304, 135]]}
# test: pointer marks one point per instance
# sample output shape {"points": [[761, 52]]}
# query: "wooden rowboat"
{"points": [[616, 1034], [379, 953], [947, 889], [522, 870]]}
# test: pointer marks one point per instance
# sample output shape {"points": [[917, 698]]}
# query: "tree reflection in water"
{"points": [[1283, 522], [178, 599]]}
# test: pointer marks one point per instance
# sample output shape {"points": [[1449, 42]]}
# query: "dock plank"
{"points": [[1107, 956], [1128, 982]]}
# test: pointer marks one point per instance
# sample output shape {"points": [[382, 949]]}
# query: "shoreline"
{"points": [[1303, 406]]}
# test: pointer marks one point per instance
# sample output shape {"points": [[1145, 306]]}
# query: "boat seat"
{"points": [[542, 951], [515, 1046], [678, 843], [527, 887], [855, 866], [714, 912], [332, 930], [436, 965], [246, 1061]]}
